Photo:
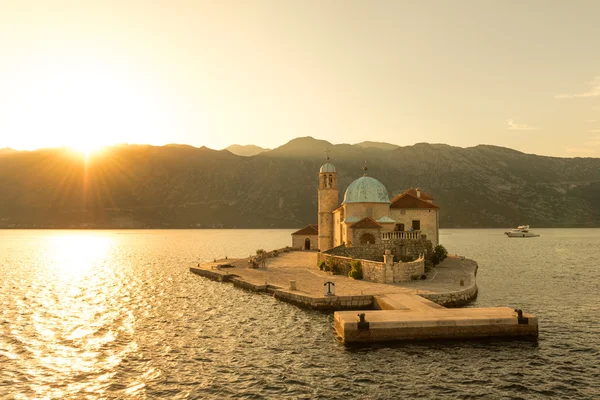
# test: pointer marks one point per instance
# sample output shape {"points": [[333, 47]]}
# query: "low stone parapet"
{"points": [[453, 299], [458, 298], [380, 272]]}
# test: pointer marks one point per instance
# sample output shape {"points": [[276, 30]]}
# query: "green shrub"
{"points": [[333, 266], [275, 253], [439, 254], [260, 251], [356, 272], [407, 258], [336, 269], [322, 265], [415, 277]]}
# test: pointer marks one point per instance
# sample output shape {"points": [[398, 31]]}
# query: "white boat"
{"points": [[521, 231]]}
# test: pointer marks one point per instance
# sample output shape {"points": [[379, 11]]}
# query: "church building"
{"points": [[367, 215]]}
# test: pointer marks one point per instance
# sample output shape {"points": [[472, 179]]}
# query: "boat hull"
{"points": [[520, 234]]}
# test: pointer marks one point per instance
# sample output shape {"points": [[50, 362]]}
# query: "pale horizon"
{"points": [[317, 152], [524, 76]]}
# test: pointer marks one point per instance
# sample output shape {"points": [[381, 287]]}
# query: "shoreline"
{"points": [[445, 291], [415, 310]]}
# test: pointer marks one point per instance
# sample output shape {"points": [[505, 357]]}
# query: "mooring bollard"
{"points": [[362, 324], [293, 285], [520, 318], [462, 283]]}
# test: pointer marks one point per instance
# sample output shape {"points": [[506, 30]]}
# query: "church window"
{"points": [[330, 180], [324, 180]]}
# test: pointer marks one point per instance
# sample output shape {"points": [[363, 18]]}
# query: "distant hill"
{"points": [[246, 151], [6, 150], [140, 186], [377, 145]]}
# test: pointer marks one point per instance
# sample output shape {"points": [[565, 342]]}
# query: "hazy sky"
{"points": [[520, 74]]}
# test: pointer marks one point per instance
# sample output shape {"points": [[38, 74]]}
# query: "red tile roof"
{"points": [[308, 230], [407, 200], [424, 196], [366, 223]]}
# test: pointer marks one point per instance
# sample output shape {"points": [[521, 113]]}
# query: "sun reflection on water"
{"points": [[74, 323], [74, 255]]}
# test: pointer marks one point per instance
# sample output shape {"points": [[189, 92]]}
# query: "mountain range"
{"points": [[179, 186], [246, 151]]}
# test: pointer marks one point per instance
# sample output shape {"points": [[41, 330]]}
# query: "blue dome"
{"points": [[366, 190], [327, 168]]}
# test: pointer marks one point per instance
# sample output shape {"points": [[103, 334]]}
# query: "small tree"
{"points": [[261, 257], [439, 254], [322, 265], [356, 272]]}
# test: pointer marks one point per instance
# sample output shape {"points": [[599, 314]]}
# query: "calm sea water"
{"points": [[116, 314]]}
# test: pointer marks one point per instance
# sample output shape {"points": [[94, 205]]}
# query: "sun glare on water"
{"points": [[75, 254]]}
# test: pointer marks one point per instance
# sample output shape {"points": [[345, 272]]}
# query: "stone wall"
{"points": [[374, 252], [458, 298], [405, 271], [380, 272], [358, 233], [427, 216], [409, 247], [373, 271], [343, 262]]}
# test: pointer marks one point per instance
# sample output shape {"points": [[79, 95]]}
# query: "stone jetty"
{"points": [[374, 312], [409, 317]]}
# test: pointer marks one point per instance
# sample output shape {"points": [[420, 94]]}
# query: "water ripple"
{"points": [[107, 315]]}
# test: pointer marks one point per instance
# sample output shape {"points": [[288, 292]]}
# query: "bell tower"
{"points": [[328, 201]]}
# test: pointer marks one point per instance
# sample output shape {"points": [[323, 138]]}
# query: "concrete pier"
{"points": [[407, 317]]}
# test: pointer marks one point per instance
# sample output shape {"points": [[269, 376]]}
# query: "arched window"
{"points": [[330, 180], [324, 180], [367, 239]]}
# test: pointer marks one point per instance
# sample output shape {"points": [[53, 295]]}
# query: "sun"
{"points": [[88, 147], [84, 107]]}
